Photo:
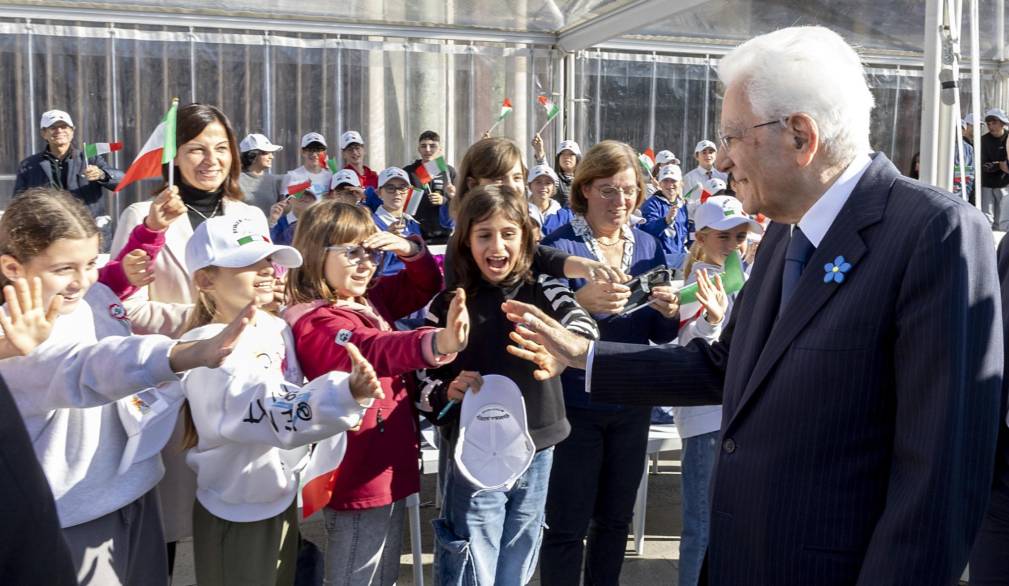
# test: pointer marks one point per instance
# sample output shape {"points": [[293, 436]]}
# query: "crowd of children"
{"points": [[247, 344]]}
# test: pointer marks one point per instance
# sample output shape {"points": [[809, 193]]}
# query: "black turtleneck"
{"points": [[199, 202]]}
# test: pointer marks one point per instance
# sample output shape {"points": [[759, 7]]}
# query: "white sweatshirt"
{"points": [[254, 421], [66, 391], [693, 421]]}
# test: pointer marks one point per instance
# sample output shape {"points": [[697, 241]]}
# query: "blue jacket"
{"points": [[641, 327], [555, 221], [391, 263], [675, 237], [37, 171]]}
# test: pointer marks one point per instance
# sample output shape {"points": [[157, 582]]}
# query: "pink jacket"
{"points": [[380, 465], [112, 274]]}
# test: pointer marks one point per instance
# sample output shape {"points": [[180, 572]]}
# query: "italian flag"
{"points": [[705, 194], [413, 200], [551, 108], [431, 169], [158, 150], [92, 150], [317, 477], [330, 164], [506, 110], [647, 160], [296, 188]]}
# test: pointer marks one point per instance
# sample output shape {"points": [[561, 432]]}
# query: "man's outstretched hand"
{"points": [[537, 328]]}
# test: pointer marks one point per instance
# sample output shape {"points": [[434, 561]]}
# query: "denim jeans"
{"points": [[491, 537], [363, 546], [593, 485], [699, 453]]}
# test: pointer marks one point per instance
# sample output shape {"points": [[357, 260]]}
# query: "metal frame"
{"points": [[618, 21]]}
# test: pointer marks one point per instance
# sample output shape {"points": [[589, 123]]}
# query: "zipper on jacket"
{"points": [[379, 421]]}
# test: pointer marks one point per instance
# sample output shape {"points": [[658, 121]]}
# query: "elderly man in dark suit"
{"points": [[861, 370]]}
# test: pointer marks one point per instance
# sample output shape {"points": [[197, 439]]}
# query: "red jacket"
{"points": [[380, 465], [368, 179]]}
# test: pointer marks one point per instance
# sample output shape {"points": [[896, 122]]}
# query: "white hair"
{"points": [[810, 70]]}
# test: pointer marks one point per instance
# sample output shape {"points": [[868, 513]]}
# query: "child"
{"points": [[569, 155], [393, 189], [313, 167], [334, 296], [346, 187], [249, 421], [722, 228], [499, 161], [66, 369], [500, 529], [666, 216], [284, 225], [693, 182], [542, 189]]}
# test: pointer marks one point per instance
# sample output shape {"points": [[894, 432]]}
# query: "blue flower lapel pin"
{"points": [[835, 270]]}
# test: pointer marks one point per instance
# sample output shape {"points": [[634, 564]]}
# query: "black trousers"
{"points": [[989, 560], [593, 485]]}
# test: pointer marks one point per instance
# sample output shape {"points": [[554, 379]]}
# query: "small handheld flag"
{"points": [[413, 200], [506, 110], [551, 109], [333, 166], [732, 280], [431, 169], [647, 162], [295, 189], [158, 150], [93, 149]]}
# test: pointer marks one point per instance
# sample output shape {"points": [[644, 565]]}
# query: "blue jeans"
{"points": [[699, 453], [491, 537]]}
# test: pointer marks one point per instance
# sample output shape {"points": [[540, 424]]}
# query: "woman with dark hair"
{"points": [[206, 177], [261, 188], [915, 169]]}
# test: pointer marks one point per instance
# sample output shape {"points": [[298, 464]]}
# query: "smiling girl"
{"points": [[494, 246]]}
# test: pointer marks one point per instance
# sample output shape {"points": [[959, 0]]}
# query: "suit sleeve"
{"points": [[112, 175], [948, 365]]}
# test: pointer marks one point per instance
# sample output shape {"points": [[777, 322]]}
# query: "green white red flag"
{"points": [[431, 169], [506, 110], [413, 200], [93, 149], [158, 150], [550, 107]]}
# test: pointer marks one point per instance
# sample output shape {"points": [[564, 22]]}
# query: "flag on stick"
{"points": [[93, 149], [413, 200], [158, 150], [552, 111], [296, 188], [431, 169], [506, 110]]}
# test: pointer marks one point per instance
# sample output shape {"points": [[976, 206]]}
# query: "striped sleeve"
{"points": [[561, 305]]}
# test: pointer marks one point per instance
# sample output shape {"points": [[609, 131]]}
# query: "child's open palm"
{"points": [[27, 322], [455, 335], [139, 268], [364, 383], [711, 295]]}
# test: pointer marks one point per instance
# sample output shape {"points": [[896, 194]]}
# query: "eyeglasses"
{"points": [[394, 189], [726, 139], [608, 192], [357, 254]]}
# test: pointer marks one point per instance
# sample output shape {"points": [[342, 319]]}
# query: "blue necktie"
{"points": [[799, 251]]}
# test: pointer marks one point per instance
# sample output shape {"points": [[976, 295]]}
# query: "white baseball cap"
{"points": [[258, 142], [345, 177], [704, 144], [670, 172], [538, 170], [715, 184], [235, 242], [968, 120], [569, 145], [390, 173], [350, 137], [313, 137], [494, 447], [665, 158], [996, 113], [148, 417], [722, 212], [53, 116]]}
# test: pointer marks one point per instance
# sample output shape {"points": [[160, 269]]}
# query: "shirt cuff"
{"points": [[588, 366]]}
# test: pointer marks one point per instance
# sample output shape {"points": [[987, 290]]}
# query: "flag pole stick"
{"points": [[547, 123], [171, 164]]}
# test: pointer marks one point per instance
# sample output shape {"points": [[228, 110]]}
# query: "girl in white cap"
{"points": [[543, 183], [722, 228], [249, 421]]}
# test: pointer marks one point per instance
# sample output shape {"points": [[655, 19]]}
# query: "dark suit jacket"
{"points": [[858, 430], [32, 549], [36, 171]]}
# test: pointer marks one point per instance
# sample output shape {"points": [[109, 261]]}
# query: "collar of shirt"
{"points": [[584, 231], [291, 218], [818, 218], [388, 219]]}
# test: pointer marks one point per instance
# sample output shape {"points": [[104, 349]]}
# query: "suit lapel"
{"points": [[864, 208]]}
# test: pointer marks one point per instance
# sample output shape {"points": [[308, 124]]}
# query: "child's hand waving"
{"points": [[455, 335], [711, 295], [138, 269], [364, 383], [390, 242], [165, 209], [27, 322], [211, 352]]}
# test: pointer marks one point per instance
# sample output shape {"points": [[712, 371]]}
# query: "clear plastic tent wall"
{"points": [[655, 87]]}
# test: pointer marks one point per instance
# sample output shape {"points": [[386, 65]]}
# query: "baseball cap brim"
{"points": [[731, 222], [253, 252], [270, 148]]}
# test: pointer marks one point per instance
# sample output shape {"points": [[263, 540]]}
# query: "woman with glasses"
{"points": [[597, 469], [665, 216], [394, 191]]}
